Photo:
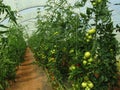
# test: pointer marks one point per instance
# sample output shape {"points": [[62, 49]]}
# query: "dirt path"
{"points": [[30, 76]]}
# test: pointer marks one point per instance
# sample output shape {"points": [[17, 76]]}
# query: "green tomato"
{"points": [[84, 84], [99, 1], [87, 34], [87, 40], [71, 51], [87, 54], [89, 37], [53, 51], [92, 31], [94, 3], [77, 85], [72, 67], [90, 84], [90, 60], [55, 33], [87, 88], [84, 62]]}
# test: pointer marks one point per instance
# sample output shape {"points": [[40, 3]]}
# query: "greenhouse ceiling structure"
{"points": [[27, 11], [59, 44]]}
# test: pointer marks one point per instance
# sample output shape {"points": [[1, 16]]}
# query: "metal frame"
{"points": [[24, 10]]}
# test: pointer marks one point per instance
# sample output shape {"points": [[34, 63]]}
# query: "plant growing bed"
{"points": [[78, 49]]}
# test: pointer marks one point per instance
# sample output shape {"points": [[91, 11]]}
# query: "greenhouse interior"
{"points": [[59, 44]]}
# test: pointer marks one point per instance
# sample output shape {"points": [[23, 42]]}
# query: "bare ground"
{"points": [[30, 76]]}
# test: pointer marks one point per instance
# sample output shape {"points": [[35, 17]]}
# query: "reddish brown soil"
{"points": [[30, 76]]}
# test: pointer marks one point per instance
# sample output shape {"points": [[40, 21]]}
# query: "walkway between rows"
{"points": [[30, 76]]}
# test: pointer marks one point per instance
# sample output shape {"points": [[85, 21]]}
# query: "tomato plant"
{"points": [[75, 47], [12, 47]]}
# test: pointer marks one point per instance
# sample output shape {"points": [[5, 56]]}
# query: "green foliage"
{"points": [[77, 47], [5, 9], [12, 48]]}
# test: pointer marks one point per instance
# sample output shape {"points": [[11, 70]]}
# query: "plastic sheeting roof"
{"points": [[24, 7], [27, 10], [23, 4]]}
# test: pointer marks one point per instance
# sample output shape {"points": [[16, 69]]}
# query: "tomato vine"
{"points": [[78, 49]]}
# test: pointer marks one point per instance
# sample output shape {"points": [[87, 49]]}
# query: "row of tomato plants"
{"points": [[78, 49], [12, 47]]}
